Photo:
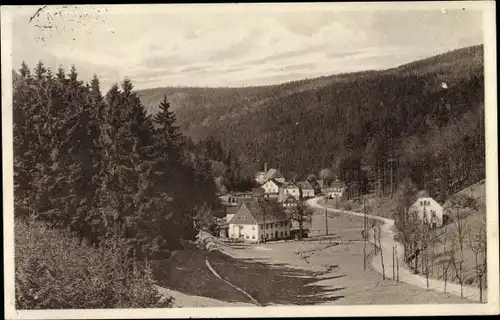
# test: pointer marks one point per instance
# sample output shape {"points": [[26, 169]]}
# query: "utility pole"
{"points": [[326, 220], [393, 265], [397, 263], [365, 235]]}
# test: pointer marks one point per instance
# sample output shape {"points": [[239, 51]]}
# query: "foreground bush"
{"points": [[54, 270]]}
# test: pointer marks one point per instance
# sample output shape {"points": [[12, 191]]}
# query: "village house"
{"points": [[428, 210], [271, 188], [289, 201], [292, 188], [256, 220], [335, 189], [307, 189]]}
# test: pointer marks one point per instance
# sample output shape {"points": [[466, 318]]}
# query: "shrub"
{"points": [[348, 206], [55, 270]]}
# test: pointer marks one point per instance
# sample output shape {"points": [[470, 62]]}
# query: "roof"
{"points": [[289, 184], [231, 210], [290, 198], [258, 191], [273, 173], [279, 184], [263, 209], [423, 194], [305, 185], [337, 183]]}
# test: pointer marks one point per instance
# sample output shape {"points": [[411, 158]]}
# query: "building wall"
{"points": [[283, 229], [295, 192], [248, 232], [335, 192], [270, 187], [428, 206], [308, 193], [256, 233]]}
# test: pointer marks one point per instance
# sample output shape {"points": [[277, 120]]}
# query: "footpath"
{"points": [[387, 243]]}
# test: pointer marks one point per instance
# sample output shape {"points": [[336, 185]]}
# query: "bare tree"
{"points": [[301, 214], [426, 238], [477, 243], [460, 205], [405, 196], [379, 231]]}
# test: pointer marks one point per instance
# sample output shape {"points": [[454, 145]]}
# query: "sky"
{"points": [[212, 47]]}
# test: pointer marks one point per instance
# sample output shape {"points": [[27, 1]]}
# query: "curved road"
{"points": [[387, 242]]}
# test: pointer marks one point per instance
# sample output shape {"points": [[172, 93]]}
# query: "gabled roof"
{"points": [[423, 194], [289, 184], [273, 173], [231, 210], [257, 192], [290, 198], [337, 184], [305, 185], [264, 210], [279, 184]]}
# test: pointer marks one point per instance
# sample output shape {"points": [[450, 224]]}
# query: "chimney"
{"points": [[265, 167]]}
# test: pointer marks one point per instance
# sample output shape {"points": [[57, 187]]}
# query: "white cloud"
{"points": [[235, 48]]}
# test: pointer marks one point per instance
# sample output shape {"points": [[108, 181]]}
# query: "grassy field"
{"points": [[293, 273], [186, 272]]}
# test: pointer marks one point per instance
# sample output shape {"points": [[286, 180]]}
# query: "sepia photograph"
{"points": [[250, 160]]}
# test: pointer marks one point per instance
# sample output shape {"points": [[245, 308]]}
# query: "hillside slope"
{"points": [[426, 110]]}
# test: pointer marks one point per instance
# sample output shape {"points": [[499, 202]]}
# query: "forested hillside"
{"points": [[424, 120]]}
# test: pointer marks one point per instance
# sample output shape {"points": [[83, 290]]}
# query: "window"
{"points": [[286, 233], [253, 236], [247, 236], [267, 226], [282, 233], [261, 236], [421, 203]]}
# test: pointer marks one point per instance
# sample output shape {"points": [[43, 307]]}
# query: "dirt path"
{"points": [[387, 242], [254, 301]]}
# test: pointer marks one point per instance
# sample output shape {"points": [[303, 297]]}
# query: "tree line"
{"points": [[100, 166]]}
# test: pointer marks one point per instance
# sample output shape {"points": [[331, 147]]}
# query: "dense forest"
{"points": [[101, 167], [423, 120]]}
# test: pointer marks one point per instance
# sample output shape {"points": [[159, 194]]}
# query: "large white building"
{"points": [[256, 220], [428, 210]]}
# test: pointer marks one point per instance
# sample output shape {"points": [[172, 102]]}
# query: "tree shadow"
{"points": [[276, 283], [269, 284]]}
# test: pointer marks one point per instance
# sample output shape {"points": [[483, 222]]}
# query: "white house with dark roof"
{"points": [[271, 188], [307, 189], [293, 189], [428, 210], [335, 189], [255, 220]]}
